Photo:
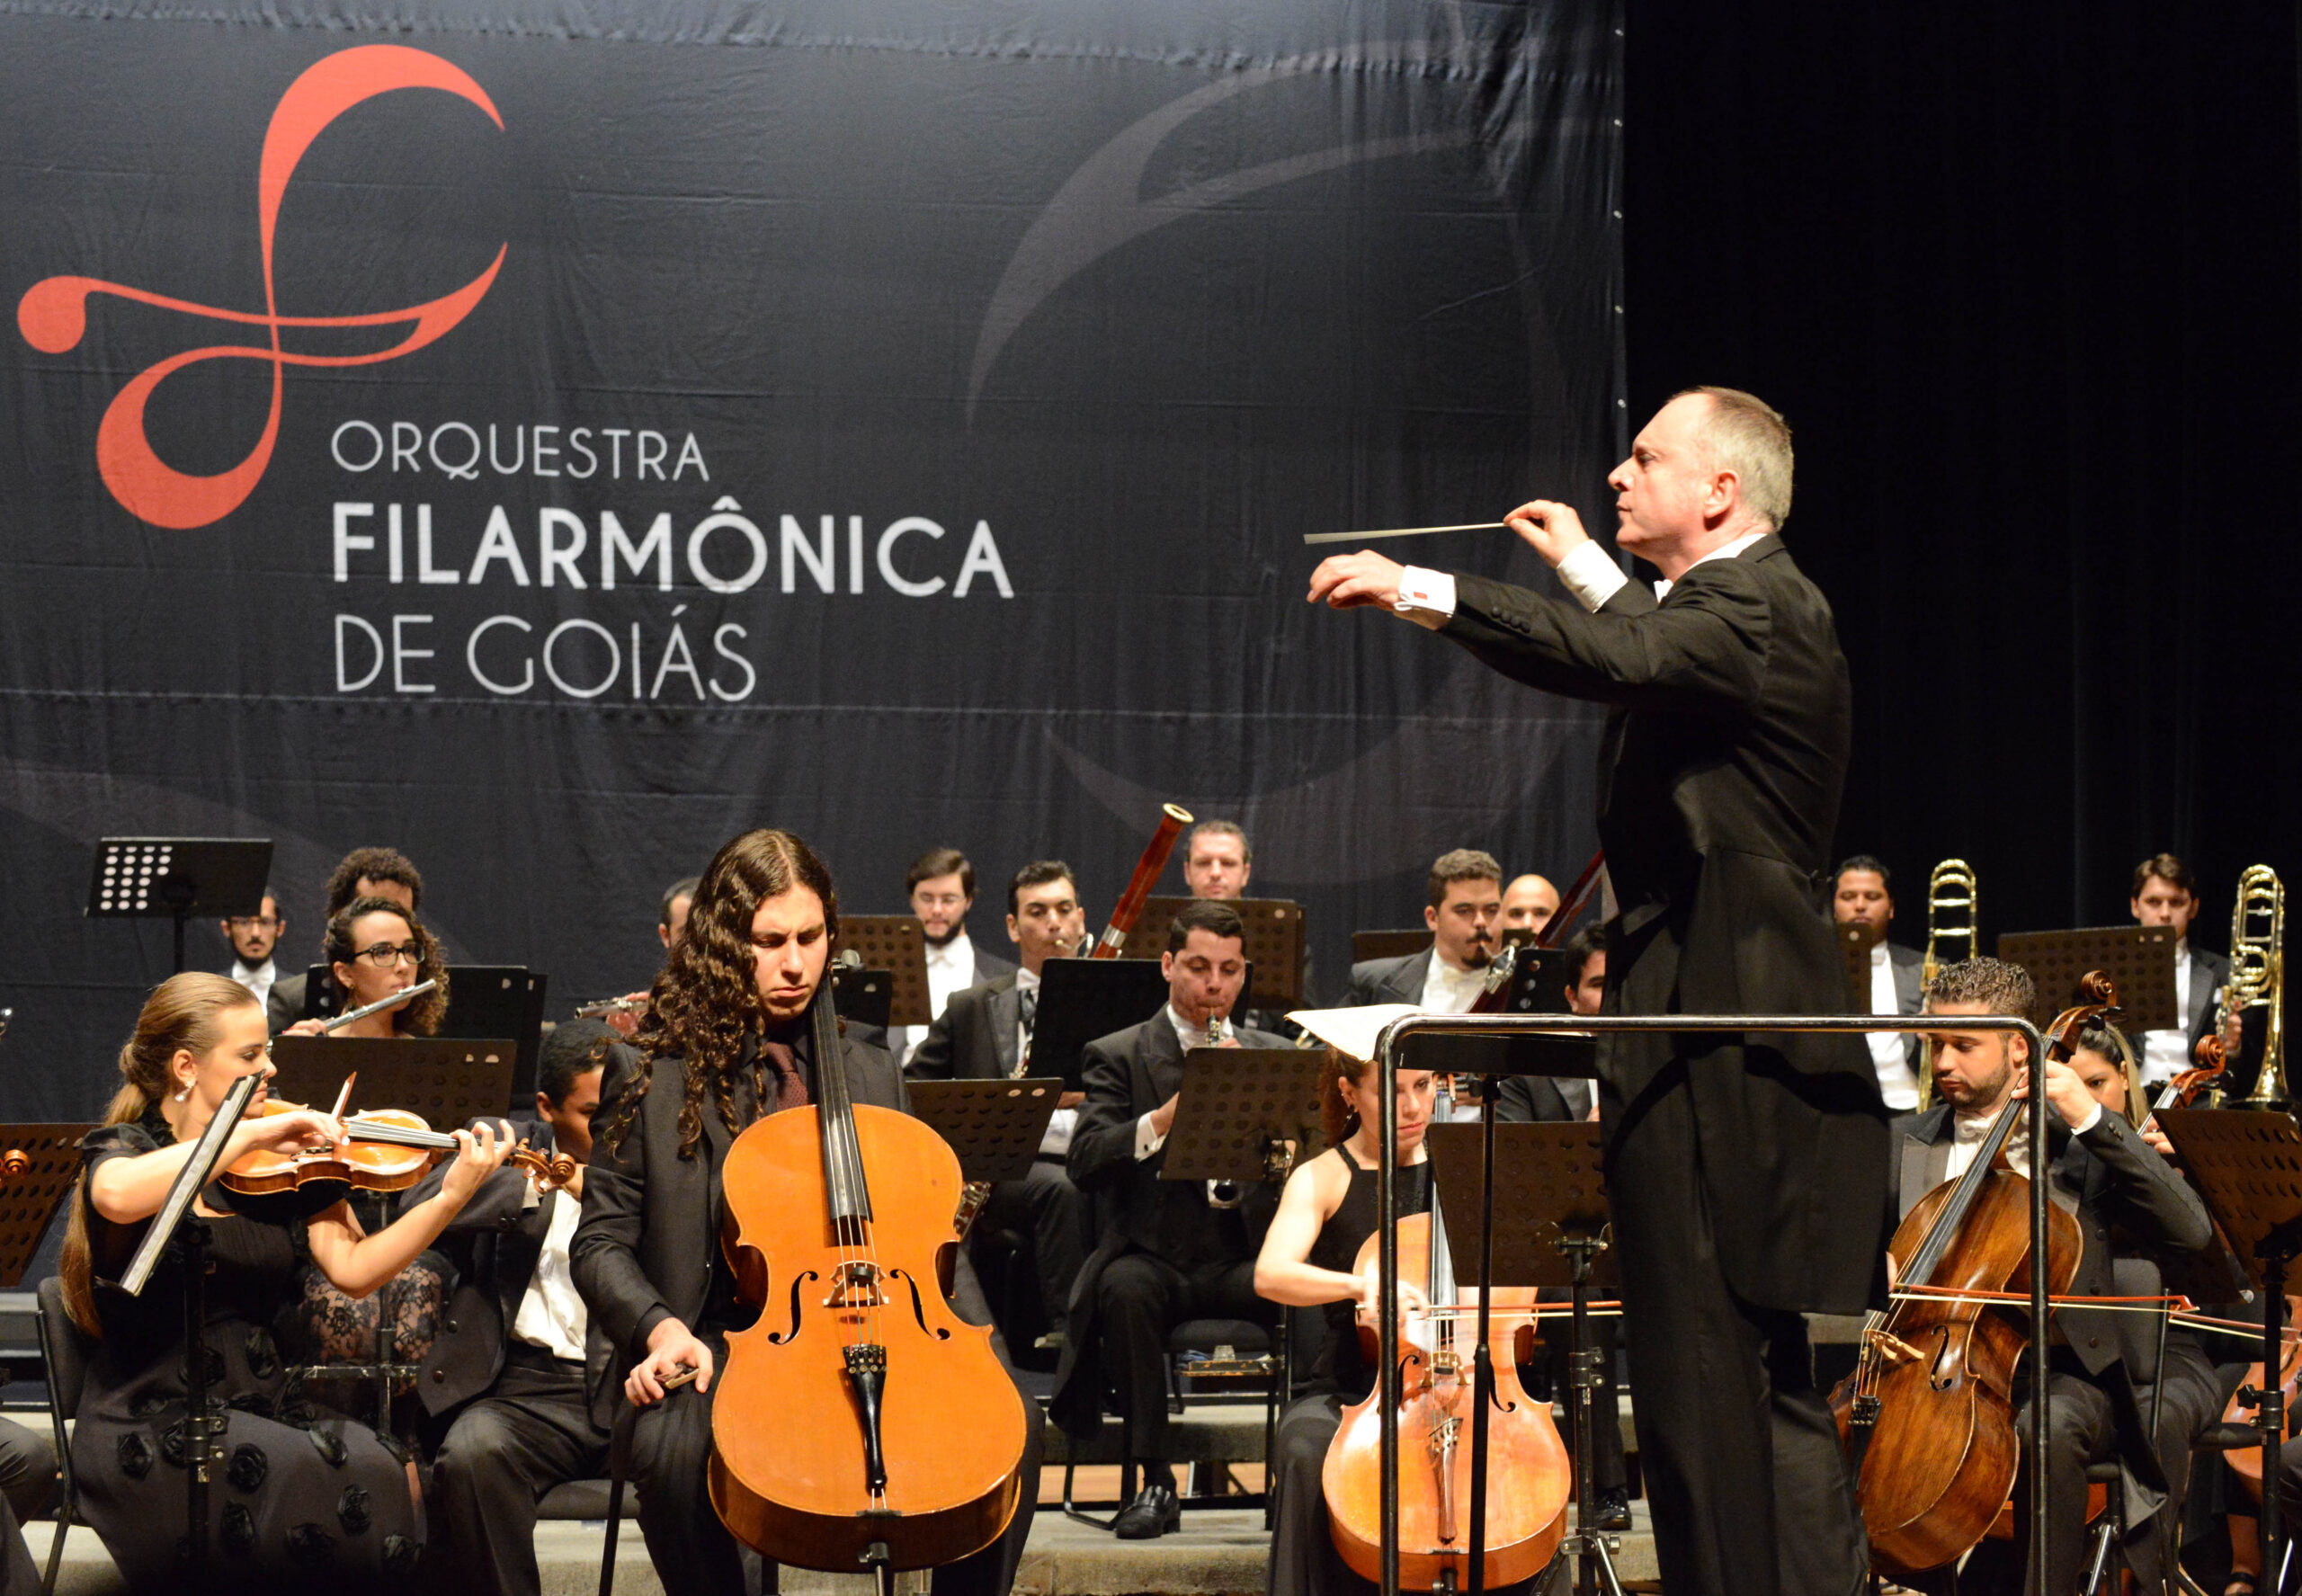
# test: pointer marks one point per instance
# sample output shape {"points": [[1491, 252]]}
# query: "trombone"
{"points": [[2258, 977], [1953, 913]]}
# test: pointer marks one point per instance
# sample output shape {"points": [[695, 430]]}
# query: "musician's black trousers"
{"points": [[2191, 1400], [1749, 1487], [694, 1555], [1141, 1299], [531, 1431], [1053, 1217], [2081, 1428]]}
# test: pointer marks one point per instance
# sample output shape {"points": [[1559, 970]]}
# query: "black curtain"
{"points": [[2026, 282]]}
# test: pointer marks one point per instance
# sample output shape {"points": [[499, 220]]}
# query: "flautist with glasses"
{"points": [[375, 949]]}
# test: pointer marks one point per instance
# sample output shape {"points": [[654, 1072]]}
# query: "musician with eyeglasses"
{"points": [[253, 938], [376, 947], [364, 872]]}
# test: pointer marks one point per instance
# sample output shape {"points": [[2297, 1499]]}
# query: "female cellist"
{"points": [[725, 1042], [1326, 1215], [301, 1497]]}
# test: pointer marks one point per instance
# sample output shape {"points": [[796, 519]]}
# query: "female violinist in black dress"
{"points": [[1326, 1215], [320, 1500]]}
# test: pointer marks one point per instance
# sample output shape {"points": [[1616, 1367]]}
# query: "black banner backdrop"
{"points": [[551, 440]]}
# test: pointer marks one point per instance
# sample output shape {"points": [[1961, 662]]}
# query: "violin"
{"points": [[1933, 1382], [388, 1150], [1528, 1476], [862, 1423]]}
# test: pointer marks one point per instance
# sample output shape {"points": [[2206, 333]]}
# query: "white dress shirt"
{"points": [[1056, 1142], [1890, 1049], [949, 969], [1968, 1134], [259, 980], [2166, 1054], [1447, 990], [1589, 573], [551, 1315]]}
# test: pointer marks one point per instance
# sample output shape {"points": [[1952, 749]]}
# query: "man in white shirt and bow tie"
{"points": [[2165, 893], [1863, 896], [1464, 914]]}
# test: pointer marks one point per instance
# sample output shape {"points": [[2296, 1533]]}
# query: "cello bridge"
{"points": [[1892, 1348], [855, 1284]]}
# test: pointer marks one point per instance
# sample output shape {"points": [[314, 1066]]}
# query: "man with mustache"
{"points": [[1464, 915]]}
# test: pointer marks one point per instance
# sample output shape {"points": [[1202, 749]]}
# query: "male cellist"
{"points": [[2110, 1177], [725, 1041]]}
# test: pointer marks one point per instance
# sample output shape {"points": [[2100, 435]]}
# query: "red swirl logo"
{"points": [[53, 314]]}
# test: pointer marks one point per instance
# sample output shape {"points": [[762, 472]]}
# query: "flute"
{"points": [[613, 1005], [393, 1001]]}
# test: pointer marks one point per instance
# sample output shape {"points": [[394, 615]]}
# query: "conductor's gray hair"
{"points": [[1749, 437]]}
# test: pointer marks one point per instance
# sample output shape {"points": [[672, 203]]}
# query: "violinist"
{"points": [[2110, 1177], [1326, 1215], [725, 1042], [301, 1496]]}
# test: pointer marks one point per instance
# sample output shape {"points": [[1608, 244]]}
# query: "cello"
{"points": [[1528, 1479], [860, 1424], [1933, 1382]]}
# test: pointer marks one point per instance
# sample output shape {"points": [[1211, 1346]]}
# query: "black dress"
{"points": [[302, 1496], [1303, 1558]]}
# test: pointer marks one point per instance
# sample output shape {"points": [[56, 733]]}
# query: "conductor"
{"points": [[1742, 1171]]}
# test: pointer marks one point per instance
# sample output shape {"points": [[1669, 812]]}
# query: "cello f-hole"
{"points": [[778, 1338], [918, 1309]]}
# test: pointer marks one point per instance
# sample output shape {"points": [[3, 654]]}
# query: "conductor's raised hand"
{"points": [[1552, 530], [1348, 581]]}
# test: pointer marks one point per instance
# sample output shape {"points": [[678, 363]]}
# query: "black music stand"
{"points": [[896, 943], [31, 1191], [1854, 956], [176, 877], [1244, 1114], [1274, 944], [177, 1224], [996, 1127], [492, 1001], [2248, 1167], [450, 1080], [1389, 944], [2139, 960], [1082, 999], [864, 996]]}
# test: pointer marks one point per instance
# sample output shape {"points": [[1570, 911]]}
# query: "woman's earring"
{"points": [[186, 1093]]}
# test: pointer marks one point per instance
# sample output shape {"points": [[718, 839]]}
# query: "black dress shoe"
{"points": [[1614, 1510], [1152, 1514]]}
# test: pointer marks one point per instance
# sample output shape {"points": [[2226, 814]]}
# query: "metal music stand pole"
{"points": [[1388, 1048], [1482, 1351], [176, 1222]]}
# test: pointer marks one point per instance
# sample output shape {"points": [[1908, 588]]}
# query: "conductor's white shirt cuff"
{"points": [[1148, 1141], [1590, 577], [1426, 593]]}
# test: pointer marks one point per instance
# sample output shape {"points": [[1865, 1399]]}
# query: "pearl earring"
{"points": [[186, 1093]]}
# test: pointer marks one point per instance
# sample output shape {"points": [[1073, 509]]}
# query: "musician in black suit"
{"points": [[511, 1365], [2112, 1179], [1218, 862], [983, 1035], [1743, 1174], [1464, 914], [725, 1042], [2165, 893], [1862, 895], [1168, 1253]]}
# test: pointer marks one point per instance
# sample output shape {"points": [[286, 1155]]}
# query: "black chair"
{"points": [[65, 1350]]}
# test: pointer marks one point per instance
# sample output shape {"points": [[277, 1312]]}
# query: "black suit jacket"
{"points": [[495, 1242], [975, 1037], [1720, 773], [650, 1229], [2208, 971], [1387, 980], [1127, 1075], [283, 1005]]}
